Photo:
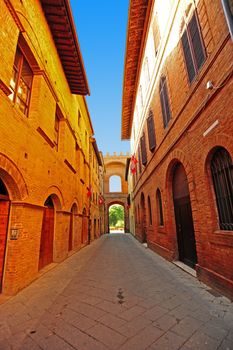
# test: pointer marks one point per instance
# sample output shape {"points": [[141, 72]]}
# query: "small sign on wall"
{"points": [[14, 234]]}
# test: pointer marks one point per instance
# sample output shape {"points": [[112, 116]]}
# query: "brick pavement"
{"points": [[116, 294]]}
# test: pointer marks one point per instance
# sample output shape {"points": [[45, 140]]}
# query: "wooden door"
{"points": [[183, 216], [143, 220], [95, 228], [46, 243], [71, 232], [4, 217]]}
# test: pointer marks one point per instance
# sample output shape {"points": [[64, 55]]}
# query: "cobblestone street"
{"points": [[116, 294]]}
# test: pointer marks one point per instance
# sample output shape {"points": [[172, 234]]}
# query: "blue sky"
{"points": [[101, 28]]}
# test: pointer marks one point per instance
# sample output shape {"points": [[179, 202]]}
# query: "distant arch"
{"points": [[116, 203]]}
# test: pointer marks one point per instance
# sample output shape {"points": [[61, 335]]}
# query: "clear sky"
{"points": [[101, 27]]}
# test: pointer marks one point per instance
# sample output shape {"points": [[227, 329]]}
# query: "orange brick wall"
{"points": [[194, 109], [30, 166]]}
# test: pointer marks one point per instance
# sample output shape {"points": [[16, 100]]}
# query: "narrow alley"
{"points": [[116, 294]]}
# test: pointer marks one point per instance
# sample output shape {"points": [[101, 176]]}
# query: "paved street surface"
{"points": [[116, 294]]}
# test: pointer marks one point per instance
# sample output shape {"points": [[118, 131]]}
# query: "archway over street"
{"points": [[116, 193]]}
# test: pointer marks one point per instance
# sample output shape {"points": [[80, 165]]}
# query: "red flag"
{"points": [[101, 200], [133, 164], [89, 192]]}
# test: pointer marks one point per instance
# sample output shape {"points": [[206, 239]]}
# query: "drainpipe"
{"points": [[229, 15]]}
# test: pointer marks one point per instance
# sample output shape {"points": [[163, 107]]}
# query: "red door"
{"points": [[4, 214], [46, 243]]}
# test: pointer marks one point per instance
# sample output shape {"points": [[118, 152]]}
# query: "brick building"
{"points": [[115, 192], [177, 112], [96, 192], [45, 141]]}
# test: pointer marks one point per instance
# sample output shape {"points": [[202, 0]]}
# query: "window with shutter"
{"points": [[164, 101], [56, 131], [139, 161], [150, 212], [146, 72], [21, 82], [156, 33], [143, 149], [193, 48], [159, 207], [228, 11], [151, 131]]}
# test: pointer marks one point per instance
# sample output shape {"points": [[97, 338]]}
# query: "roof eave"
{"points": [[132, 64], [74, 71]]}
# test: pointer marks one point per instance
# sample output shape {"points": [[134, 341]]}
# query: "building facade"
{"points": [[45, 130], [96, 192], [177, 112], [115, 186]]}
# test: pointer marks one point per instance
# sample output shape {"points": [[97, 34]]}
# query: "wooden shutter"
{"points": [[196, 40], [151, 131], [188, 56], [164, 102], [160, 208], [156, 34], [143, 149], [193, 48]]}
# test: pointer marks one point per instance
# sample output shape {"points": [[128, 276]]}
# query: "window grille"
{"points": [[164, 101], [222, 175]]}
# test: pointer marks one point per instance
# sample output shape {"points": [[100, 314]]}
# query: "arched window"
{"points": [[159, 207], [149, 210], [222, 175], [164, 99], [115, 184]]}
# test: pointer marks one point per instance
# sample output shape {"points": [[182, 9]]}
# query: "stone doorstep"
{"points": [[185, 268]]}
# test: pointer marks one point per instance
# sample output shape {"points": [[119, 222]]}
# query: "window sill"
{"points": [[223, 238], [161, 229]]}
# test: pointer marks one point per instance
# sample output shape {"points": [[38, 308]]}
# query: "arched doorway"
{"points": [[143, 219], [4, 218], [73, 211], [116, 218], [183, 216], [47, 234]]}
